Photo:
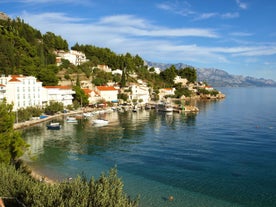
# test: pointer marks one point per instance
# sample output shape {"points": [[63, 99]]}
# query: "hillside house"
{"points": [[108, 93], [73, 56], [166, 92]]}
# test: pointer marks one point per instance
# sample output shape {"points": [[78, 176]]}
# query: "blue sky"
{"points": [[237, 36]]}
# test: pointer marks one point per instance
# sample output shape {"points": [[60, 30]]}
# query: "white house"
{"points": [[108, 93], [104, 68], [61, 94], [139, 92], [178, 79], [21, 91], [73, 56], [165, 92], [117, 71]]}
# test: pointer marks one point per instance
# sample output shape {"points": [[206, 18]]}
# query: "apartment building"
{"points": [[21, 91]]}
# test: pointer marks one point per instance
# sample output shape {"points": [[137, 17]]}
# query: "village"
{"points": [[27, 91]]}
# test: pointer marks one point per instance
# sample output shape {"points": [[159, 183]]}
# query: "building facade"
{"points": [[21, 91], [61, 94], [108, 93]]}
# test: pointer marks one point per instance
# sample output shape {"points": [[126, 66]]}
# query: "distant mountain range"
{"points": [[220, 78]]}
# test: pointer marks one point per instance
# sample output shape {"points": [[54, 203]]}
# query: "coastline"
{"points": [[48, 118], [38, 176]]}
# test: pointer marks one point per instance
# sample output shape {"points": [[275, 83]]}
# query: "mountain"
{"points": [[220, 78]]}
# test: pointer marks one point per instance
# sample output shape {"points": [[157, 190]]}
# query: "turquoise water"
{"points": [[223, 156]]}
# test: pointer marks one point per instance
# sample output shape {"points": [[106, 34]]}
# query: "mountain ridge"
{"points": [[220, 78]]}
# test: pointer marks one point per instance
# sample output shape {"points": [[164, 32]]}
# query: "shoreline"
{"points": [[25, 124], [38, 176]]}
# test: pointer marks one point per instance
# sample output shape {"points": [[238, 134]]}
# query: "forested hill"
{"points": [[24, 50]]}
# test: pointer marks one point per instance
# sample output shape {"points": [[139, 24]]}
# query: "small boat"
{"points": [[100, 121], [71, 120], [87, 115], [164, 107], [54, 126]]}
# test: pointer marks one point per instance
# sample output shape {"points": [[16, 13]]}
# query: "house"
{"points": [[21, 91], [104, 68], [178, 79], [166, 92], [117, 71], [140, 93], [61, 94], [108, 93], [73, 56]]}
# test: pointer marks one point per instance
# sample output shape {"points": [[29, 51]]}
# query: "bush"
{"points": [[107, 191]]}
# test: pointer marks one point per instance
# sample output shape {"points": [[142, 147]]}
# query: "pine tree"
{"points": [[12, 146]]}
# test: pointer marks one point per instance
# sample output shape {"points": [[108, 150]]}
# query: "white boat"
{"points": [[71, 120], [100, 121], [87, 114], [54, 126], [165, 107]]}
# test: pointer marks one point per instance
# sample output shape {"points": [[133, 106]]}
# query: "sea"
{"points": [[222, 156]]}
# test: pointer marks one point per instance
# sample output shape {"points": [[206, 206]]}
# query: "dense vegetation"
{"points": [[107, 191], [12, 146]]}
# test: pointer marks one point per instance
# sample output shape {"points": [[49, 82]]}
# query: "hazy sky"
{"points": [[238, 36]]}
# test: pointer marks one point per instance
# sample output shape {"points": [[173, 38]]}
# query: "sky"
{"points": [[238, 36]]}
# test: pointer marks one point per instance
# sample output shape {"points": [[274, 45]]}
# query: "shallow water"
{"points": [[223, 156]]}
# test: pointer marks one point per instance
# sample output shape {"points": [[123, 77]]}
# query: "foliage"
{"points": [[182, 92], [25, 114], [100, 77], [107, 191], [189, 73], [53, 107], [123, 96], [24, 50], [80, 98], [208, 92], [47, 76], [12, 146], [169, 75]]}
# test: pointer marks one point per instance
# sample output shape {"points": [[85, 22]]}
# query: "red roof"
{"points": [[87, 91], [59, 87], [14, 79], [106, 88]]}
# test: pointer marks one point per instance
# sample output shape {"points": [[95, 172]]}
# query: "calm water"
{"points": [[223, 156]]}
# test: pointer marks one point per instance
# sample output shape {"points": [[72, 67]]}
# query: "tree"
{"points": [[168, 75], [12, 146], [189, 73], [80, 97]]}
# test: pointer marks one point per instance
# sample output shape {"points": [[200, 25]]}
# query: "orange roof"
{"points": [[14, 79], [87, 91], [59, 87], [106, 88]]}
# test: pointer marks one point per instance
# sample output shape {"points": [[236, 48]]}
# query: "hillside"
{"points": [[220, 78]]}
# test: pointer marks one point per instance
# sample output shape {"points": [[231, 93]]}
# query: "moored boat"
{"points": [[71, 120], [54, 126], [165, 107], [100, 121]]}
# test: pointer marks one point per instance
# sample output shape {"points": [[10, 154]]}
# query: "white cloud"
{"points": [[230, 15], [241, 4], [127, 33], [181, 8]]}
